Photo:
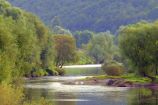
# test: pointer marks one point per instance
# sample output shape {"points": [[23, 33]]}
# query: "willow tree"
{"points": [[8, 50], [65, 49], [31, 36], [138, 43], [101, 47]]}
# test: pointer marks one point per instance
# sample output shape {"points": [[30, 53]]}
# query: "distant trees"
{"points": [[139, 43], [101, 47], [83, 37], [83, 58], [61, 31], [65, 49], [91, 15]]}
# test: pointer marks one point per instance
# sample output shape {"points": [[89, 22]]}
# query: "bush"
{"points": [[42, 101], [113, 69], [52, 72], [10, 95], [60, 71], [39, 73]]}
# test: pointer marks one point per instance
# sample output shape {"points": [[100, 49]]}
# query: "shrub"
{"points": [[113, 69], [39, 73], [55, 72], [60, 71], [52, 72], [10, 95], [42, 101]]}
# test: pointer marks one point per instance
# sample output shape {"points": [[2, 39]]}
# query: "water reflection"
{"points": [[65, 99], [60, 94], [143, 96]]}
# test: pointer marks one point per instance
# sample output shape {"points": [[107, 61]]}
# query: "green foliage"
{"points": [[8, 97], [8, 50], [22, 40], [83, 37], [127, 77], [24, 43], [42, 101], [52, 72], [138, 44], [39, 73], [113, 69], [60, 71], [65, 49], [101, 47], [83, 58], [96, 15]]}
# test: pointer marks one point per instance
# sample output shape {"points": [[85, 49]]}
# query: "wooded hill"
{"points": [[94, 15]]}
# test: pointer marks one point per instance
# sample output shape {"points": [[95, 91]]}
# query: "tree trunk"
{"points": [[144, 74], [156, 67]]}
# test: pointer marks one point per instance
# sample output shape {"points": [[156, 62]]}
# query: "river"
{"points": [[53, 89]]}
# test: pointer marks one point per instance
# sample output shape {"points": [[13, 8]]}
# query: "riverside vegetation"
{"points": [[30, 49]]}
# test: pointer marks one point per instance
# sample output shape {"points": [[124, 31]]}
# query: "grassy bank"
{"points": [[127, 77]]}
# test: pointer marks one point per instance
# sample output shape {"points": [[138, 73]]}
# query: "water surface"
{"points": [[53, 89]]}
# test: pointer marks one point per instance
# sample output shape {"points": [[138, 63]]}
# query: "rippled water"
{"points": [[53, 89]]}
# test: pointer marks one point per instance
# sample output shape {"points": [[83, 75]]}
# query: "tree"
{"points": [[8, 50], [101, 47], [83, 37], [138, 43], [96, 15], [83, 58], [65, 49], [47, 54], [21, 42], [24, 38]]}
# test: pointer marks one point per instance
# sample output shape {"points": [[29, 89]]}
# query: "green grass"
{"points": [[83, 71], [128, 77]]}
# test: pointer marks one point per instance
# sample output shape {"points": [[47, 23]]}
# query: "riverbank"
{"points": [[129, 80], [54, 89]]}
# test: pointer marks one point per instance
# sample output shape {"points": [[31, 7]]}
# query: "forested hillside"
{"points": [[95, 15]]}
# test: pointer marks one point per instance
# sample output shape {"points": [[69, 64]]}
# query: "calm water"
{"points": [[83, 70], [52, 89]]}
